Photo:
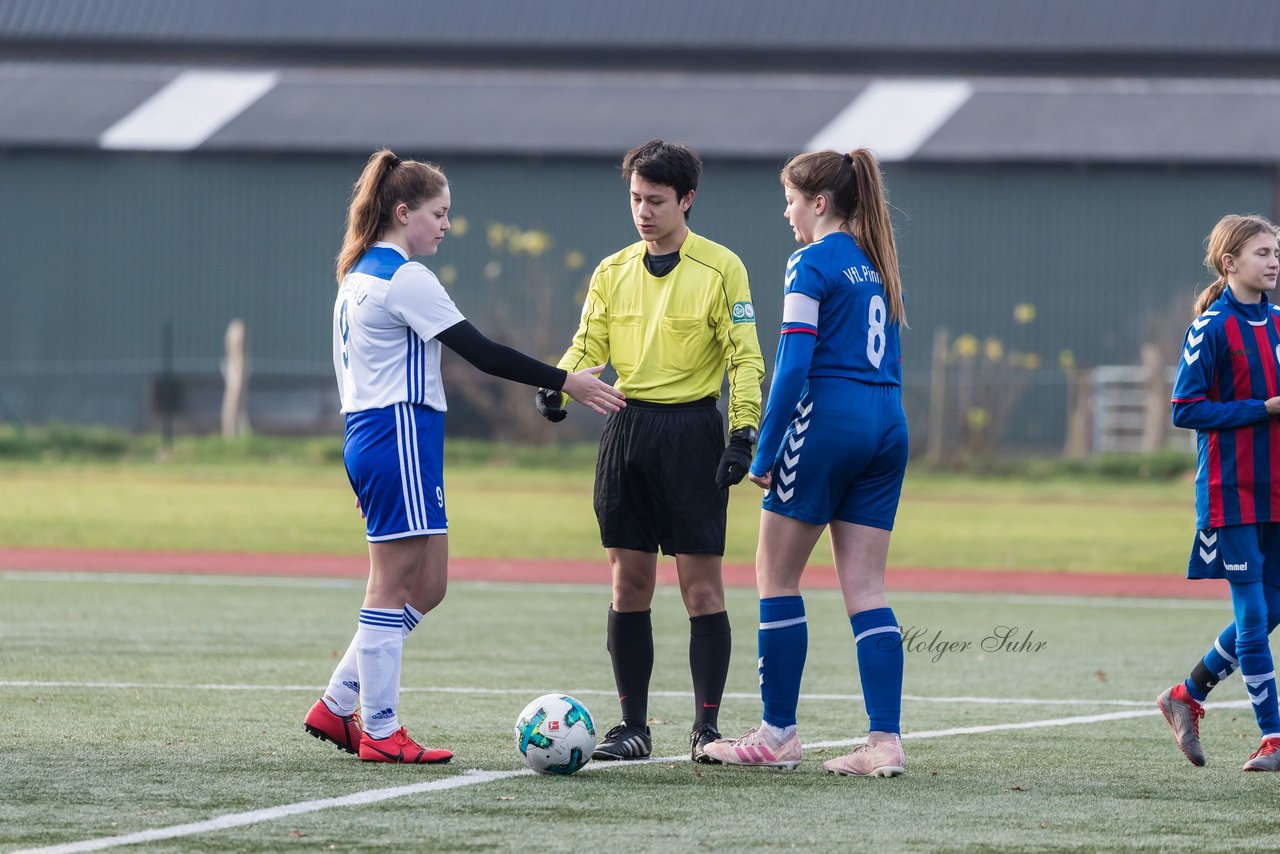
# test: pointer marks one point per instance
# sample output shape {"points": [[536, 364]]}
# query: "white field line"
{"points": [[473, 777], [534, 692], [594, 589]]}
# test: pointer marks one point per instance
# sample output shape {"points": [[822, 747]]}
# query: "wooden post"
{"points": [[1079, 413], [935, 443], [235, 418], [1155, 420]]}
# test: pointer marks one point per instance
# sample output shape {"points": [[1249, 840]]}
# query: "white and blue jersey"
{"points": [[388, 311], [834, 434]]}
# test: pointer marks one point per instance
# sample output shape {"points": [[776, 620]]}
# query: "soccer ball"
{"points": [[555, 734]]}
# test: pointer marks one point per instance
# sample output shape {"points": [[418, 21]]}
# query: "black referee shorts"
{"points": [[656, 479]]}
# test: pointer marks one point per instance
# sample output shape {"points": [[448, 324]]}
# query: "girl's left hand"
{"points": [[763, 482]]}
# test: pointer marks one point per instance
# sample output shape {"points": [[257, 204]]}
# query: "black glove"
{"points": [[736, 459], [549, 407]]}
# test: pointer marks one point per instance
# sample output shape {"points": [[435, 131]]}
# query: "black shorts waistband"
{"points": [[704, 403]]}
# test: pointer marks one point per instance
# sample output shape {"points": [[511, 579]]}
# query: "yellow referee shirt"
{"points": [[672, 339]]}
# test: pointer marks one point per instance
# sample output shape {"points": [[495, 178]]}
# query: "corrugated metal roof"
{"points": [[843, 27], [561, 113]]}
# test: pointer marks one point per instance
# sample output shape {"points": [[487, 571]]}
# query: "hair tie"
{"points": [[848, 159]]}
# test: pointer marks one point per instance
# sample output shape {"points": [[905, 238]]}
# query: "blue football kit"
{"points": [[1226, 371], [834, 434]]}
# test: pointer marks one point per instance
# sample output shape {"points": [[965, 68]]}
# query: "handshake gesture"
{"points": [[583, 386]]}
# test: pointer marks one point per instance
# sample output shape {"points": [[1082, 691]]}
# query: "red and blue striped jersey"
{"points": [[1227, 370]]}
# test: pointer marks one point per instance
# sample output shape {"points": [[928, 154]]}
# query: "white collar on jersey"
{"points": [[385, 245]]}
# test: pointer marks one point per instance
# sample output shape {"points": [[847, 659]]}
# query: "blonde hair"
{"points": [[1228, 237], [855, 185], [385, 182]]}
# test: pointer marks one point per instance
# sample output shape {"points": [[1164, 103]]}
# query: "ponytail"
{"points": [[1209, 296], [385, 182], [873, 229], [855, 185], [1228, 237]]}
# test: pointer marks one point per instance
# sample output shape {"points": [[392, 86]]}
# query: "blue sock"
{"points": [[783, 643], [879, 641], [1252, 648], [1219, 663]]}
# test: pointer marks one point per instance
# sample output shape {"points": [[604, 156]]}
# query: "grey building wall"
{"points": [[100, 250]]}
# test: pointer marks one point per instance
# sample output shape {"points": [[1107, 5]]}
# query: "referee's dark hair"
{"points": [[668, 163]]}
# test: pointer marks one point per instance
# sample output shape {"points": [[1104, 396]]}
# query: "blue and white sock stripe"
{"points": [[1258, 678], [782, 624], [878, 630], [410, 467], [382, 618], [411, 617], [1235, 662]]}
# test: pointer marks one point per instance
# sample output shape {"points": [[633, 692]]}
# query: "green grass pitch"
{"points": [[143, 704]]}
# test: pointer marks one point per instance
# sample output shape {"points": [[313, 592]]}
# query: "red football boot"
{"points": [[342, 730], [399, 747]]}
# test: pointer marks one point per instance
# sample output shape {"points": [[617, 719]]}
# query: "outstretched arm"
{"points": [[499, 360]]}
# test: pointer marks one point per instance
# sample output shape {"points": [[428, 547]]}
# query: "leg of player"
{"points": [[630, 643], [710, 644], [1181, 704], [861, 553], [397, 569], [1249, 601], [334, 717], [782, 642]]}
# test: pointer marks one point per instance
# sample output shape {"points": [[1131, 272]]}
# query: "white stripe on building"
{"points": [[189, 110], [893, 117]]}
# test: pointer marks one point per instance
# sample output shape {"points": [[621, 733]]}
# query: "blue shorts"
{"points": [[1238, 553], [395, 462], [843, 457]]}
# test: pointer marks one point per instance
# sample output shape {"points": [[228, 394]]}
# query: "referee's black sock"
{"points": [[710, 643], [630, 644]]}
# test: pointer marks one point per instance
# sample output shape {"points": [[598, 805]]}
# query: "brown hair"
{"points": [[385, 182], [855, 186], [670, 164], [1228, 237]]}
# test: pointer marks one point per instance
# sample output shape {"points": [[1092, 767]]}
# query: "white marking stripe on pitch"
{"points": [[189, 110], [225, 822], [592, 588], [474, 777], [573, 692], [893, 117]]}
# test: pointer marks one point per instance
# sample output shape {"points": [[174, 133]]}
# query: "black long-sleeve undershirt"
{"points": [[499, 360]]}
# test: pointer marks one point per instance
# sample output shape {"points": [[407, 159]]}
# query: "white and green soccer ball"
{"points": [[555, 734]]}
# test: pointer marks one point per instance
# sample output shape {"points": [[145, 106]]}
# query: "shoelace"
{"points": [[1268, 747], [1197, 712]]}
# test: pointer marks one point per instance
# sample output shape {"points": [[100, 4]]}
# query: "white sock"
{"points": [[379, 644], [343, 694], [411, 618], [779, 733]]}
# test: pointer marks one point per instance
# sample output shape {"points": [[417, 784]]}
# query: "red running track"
{"points": [[596, 572]]}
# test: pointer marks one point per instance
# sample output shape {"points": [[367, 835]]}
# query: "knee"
{"points": [[631, 593], [703, 598]]}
